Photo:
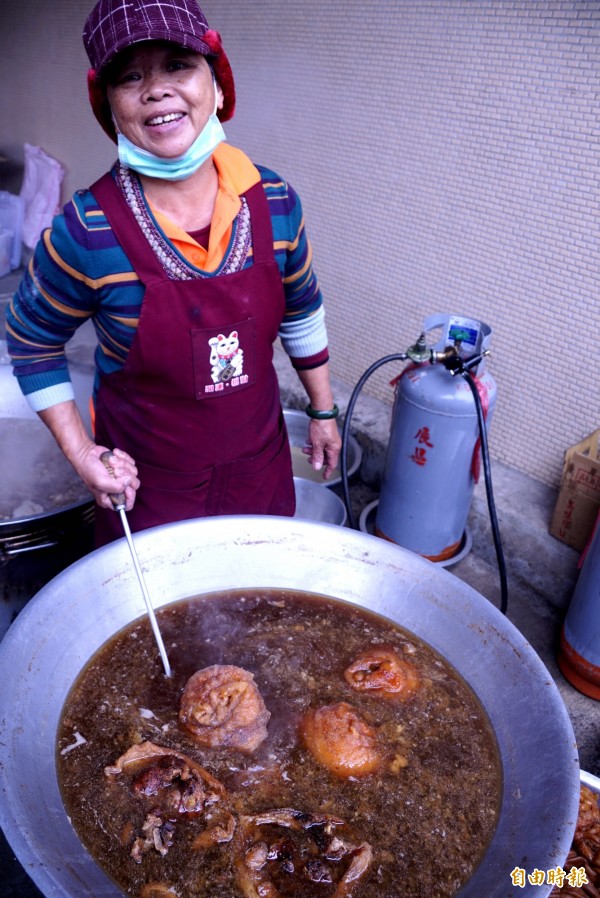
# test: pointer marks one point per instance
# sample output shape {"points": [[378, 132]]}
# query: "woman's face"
{"points": [[161, 96]]}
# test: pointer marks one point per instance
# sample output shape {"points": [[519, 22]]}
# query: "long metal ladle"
{"points": [[118, 500]]}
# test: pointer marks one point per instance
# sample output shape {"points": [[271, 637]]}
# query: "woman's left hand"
{"points": [[323, 445]]}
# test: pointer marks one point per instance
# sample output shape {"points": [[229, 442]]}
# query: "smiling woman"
{"points": [[162, 97], [190, 260]]}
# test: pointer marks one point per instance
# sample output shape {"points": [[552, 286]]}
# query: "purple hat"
{"points": [[114, 25]]}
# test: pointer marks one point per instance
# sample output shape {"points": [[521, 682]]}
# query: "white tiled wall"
{"points": [[447, 156]]}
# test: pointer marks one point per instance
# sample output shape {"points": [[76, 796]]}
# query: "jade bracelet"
{"points": [[322, 416]]}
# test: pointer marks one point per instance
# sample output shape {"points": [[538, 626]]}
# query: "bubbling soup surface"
{"points": [[426, 812]]}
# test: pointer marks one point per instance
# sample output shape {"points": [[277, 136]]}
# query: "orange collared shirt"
{"points": [[237, 174]]}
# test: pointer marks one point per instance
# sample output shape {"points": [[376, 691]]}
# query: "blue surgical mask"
{"points": [[176, 168]]}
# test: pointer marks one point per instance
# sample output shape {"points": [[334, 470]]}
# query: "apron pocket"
{"points": [[260, 485], [168, 496]]}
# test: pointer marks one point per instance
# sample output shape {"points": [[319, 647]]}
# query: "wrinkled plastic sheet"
{"points": [[12, 213], [42, 181]]}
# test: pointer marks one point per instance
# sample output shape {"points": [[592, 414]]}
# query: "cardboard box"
{"points": [[578, 502]]}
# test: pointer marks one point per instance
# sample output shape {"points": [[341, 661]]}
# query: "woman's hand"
{"points": [[69, 431], [323, 445], [115, 474], [324, 441]]}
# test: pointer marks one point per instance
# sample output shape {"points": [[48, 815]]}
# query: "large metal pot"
{"points": [[35, 547], [72, 616], [37, 531]]}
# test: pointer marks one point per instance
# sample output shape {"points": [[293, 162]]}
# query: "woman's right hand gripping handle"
{"points": [[66, 425]]}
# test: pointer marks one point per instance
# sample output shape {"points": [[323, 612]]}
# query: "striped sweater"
{"points": [[79, 272]]}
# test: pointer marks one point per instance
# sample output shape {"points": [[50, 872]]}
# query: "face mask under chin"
{"points": [[179, 167]]}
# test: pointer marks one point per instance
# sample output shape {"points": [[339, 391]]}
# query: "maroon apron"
{"points": [[197, 402]]}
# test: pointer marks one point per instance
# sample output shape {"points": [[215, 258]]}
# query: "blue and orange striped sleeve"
{"points": [[302, 331], [78, 271]]}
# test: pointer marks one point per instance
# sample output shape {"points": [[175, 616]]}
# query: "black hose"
{"points": [[484, 454], [397, 357], [487, 471]]}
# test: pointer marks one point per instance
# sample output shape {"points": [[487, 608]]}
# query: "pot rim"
{"points": [[46, 531]]}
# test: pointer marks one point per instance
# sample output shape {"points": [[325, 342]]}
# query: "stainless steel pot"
{"points": [[35, 547], [297, 427], [37, 531], [73, 615], [313, 503]]}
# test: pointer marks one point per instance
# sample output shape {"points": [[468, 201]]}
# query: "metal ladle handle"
{"points": [[118, 500]]}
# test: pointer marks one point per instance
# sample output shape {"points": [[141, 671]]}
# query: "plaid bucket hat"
{"points": [[114, 25]]}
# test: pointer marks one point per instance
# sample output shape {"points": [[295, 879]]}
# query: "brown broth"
{"points": [[428, 822]]}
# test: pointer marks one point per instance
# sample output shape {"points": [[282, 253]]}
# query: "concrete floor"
{"points": [[541, 571]]}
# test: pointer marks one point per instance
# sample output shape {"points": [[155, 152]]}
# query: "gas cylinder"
{"points": [[433, 459], [579, 652]]}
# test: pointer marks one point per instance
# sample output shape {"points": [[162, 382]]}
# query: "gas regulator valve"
{"points": [[420, 353]]}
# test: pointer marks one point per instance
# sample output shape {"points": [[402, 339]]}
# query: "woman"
{"points": [[190, 260]]}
